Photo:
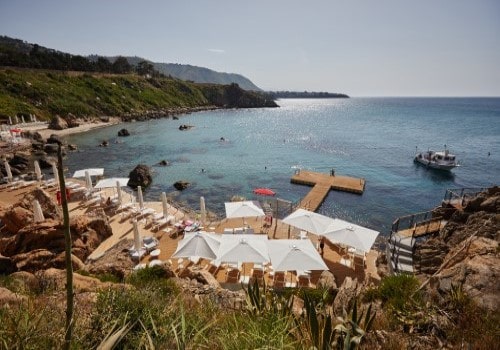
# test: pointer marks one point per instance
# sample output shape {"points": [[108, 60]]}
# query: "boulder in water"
{"points": [[181, 185], [123, 132], [140, 176]]}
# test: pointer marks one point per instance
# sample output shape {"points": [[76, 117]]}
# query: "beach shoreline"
{"points": [[45, 132]]}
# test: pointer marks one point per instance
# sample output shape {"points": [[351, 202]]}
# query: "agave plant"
{"points": [[322, 334], [260, 301], [351, 329]]}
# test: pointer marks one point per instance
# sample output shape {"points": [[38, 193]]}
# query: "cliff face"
{"points": [[47, 93], [465, 254]]}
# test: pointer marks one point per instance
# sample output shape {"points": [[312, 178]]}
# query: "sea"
{"points": [[231, 152]]}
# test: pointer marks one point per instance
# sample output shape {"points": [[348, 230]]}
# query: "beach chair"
{"points": [[359, 259], [150, 243], [257, 275], [279, 279], [232, 275]]}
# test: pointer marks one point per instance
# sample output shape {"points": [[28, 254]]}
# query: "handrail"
{"points": [[461, 193]]}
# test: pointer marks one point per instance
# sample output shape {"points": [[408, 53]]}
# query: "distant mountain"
{"points": [[19, 53], [305, 94], [196, 74]]}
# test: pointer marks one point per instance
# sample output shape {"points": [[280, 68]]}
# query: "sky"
{"points": [[361, 48]]}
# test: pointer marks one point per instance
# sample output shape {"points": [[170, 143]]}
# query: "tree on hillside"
{"points": [[145, 68], [121, 66], [103, 65]]}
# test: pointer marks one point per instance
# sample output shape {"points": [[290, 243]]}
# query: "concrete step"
{"points": [[402, 242], [396, 250], [401, 267], [403, 260]]}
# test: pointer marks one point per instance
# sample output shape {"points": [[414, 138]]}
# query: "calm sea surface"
{"points": [[373, 138]]}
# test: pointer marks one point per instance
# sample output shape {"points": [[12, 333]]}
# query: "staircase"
{"points": [[400, 253]]}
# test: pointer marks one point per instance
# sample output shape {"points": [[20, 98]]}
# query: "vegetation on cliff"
{"points": [[46, 93]]}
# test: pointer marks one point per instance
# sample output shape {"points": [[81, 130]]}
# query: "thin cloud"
{"points": [[217, 50]]}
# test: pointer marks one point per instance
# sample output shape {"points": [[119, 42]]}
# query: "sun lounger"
{"points": [[150, 243]]}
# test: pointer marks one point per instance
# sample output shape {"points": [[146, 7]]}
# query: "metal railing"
{"points": [[460, 194], [415, 223]]}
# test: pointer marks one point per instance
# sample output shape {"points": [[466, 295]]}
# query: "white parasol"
{"points": [[243, 248], [111, 182], [56, 174], [7, 170], [308, 221], [164, 204], [358, 237], [139, 197], [294, 254], [198, 244], [203, 211], [91, 171], [37, 212], [88, 181], [38, 171], [118, 191], [137, 237]]}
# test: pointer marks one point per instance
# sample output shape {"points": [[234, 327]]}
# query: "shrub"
{"points": [[398, 292]]}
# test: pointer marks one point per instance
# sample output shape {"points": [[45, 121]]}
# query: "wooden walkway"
{"points": [[322, 185]]}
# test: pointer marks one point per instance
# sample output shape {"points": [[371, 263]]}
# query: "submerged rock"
{"points": [[181, 185], [123, 132]]}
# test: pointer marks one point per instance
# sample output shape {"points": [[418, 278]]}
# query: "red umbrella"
{"points": [[264, 191]]}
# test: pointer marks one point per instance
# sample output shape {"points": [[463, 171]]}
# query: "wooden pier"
{"points": [[322, 185]]}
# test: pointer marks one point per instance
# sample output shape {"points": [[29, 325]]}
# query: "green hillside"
{"points": [[46, 93]]}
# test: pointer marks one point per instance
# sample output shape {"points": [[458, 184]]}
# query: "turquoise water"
{"points": [[373, 138]]}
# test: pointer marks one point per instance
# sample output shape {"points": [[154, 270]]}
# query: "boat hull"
{"points": [[433, 164]]}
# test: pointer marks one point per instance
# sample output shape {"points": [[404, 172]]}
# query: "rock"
{"points": [[123, 132], [473, 265], [72, 121], [116, 261], [49, 206], [54, 139], [72, 147], [60, 262], [349, 290], [163, 163], [15, 219], [327, 281], [140, 176], [104, 143], [50, 148], [104, 119], [175, 117], [20, 159], [25, 281], [7, 266], [181, 185], [9, 298], [58, 123], [185, 127], [476, 270], [34, 260], [205, 278], [37, 136], [56, 279], [46, 162], [38, 146]]}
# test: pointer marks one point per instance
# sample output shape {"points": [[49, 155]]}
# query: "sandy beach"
{"points": [[83, 127]]}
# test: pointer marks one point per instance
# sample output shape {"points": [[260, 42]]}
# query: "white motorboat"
{"points": [[442, 160]]}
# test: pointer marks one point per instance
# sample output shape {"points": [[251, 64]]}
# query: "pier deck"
{"points": [[322, 185]]}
